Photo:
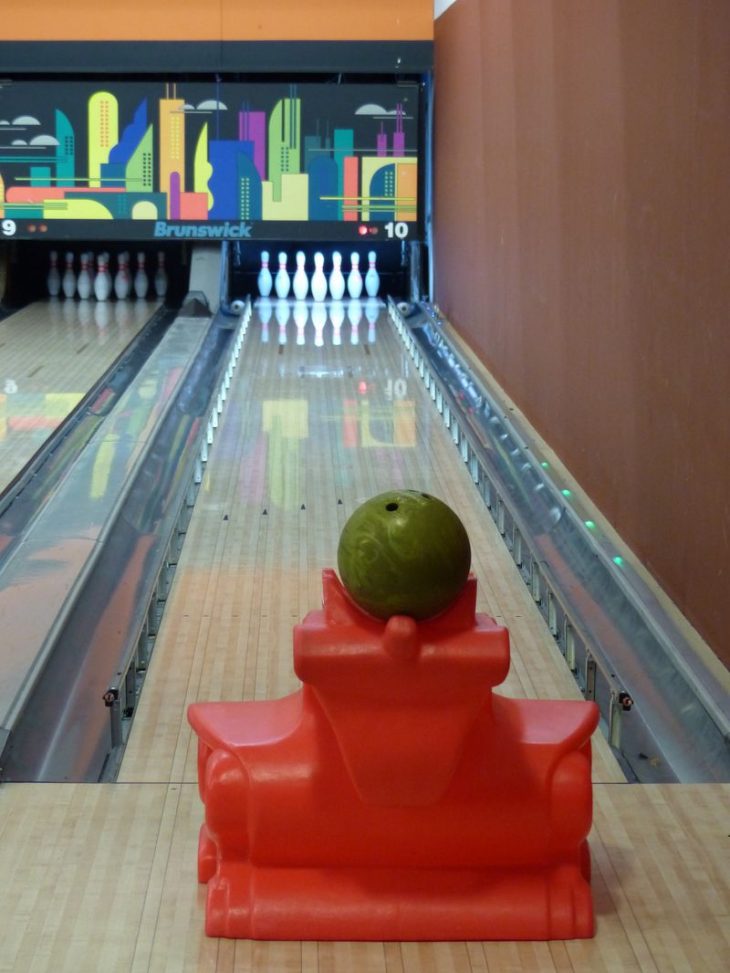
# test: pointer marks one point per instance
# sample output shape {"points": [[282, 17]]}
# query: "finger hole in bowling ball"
{"points": [[391, 506]]}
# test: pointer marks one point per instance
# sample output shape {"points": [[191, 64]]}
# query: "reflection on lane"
{"points": [[327, 319], [344, 386]]}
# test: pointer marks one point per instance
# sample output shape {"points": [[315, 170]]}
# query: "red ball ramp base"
{"points": [[388, 904], [395, 796]]}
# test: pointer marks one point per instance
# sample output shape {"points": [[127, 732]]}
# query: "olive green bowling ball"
{"points": [[403, 553]]}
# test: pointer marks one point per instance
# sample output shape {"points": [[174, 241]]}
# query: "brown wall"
{"points": [[582, 247], [198, 20]]}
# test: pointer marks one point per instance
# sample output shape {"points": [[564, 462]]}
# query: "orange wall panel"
{"points": [[230, 20], [351, 189], [581, 207]]}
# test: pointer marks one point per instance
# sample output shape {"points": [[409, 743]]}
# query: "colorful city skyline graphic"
{"points": [[220, 159]]}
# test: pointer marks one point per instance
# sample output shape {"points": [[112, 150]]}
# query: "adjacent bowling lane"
{"points": [[325, 410], [51, 353]]}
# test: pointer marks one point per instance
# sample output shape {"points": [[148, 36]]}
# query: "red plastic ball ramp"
{"points": [[395, 796]]}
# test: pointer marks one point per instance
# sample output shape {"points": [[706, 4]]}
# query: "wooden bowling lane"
{"points": [[104, 877], [51, 353], [309, 431]]}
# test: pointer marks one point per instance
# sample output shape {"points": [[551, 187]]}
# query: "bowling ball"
{"points": [[403, 553]]}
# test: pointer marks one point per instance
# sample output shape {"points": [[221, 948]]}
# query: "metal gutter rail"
{"points": [[665, 714], [81, 589]]}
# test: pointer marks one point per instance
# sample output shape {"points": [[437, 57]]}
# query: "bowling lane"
{"points": [[51, 353], [325, 410], [109, 871]]}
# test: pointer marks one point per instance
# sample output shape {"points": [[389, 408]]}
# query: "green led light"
{"points": [[589, 524], [567, 493], [545, 466], [618, 560]]}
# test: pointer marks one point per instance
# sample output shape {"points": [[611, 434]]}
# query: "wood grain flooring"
{"points": [[103, 876]]}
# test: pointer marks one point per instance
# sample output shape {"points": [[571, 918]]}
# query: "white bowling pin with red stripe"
{"points": [[53, 281], [372, 278], [141, 283], [68, 281], [84, 282], [354, 278]]}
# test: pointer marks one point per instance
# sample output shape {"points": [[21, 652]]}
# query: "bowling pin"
{"points": [[337, 316], [102, 281], [281, 281], [282, 316], [319, 281], [92, 271], [300, 285], [160, 275], [301, 314], [319, 319], [68, 281], [337, 278], [53, 280], [84, 283], [140, 278], [372, 309], [265, 309], [354, 278], [122, 283], [354, 316], [372, 278], [264, 280]]}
